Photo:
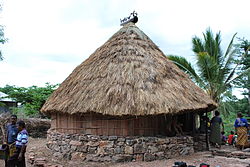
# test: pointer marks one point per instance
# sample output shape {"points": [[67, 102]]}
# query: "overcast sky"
{"points": [[47, 39]]}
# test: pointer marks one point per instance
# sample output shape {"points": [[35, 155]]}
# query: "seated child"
{"points": [[231, 138], [223, 138], [235, 139]]}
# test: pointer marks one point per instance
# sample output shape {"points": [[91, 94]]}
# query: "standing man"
{"points": [[18, 158], [10, 138]]}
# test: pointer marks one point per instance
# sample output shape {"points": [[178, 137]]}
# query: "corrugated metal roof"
{"points": [[4, 97]]}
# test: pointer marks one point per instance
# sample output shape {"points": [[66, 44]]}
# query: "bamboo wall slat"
{"points": [[103, 125]]}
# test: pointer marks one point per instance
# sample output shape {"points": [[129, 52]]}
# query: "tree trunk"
{"points": [[248, 95]]}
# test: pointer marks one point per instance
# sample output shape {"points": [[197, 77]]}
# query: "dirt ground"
{"points": [[39, 148]]}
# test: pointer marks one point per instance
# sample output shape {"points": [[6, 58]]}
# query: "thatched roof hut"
{"points": [[128, 76]]}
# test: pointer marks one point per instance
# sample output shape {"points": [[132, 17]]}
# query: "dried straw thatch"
{"points": [[128, 75]]}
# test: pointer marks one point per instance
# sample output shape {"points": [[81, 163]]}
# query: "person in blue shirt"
{"points": [[12, 130], [18, 158], [241, 128], [10, 138]]}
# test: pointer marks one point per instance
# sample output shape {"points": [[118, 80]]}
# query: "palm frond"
{"points": [[187, 67], [197, 45], [246, 72], [219, 52], [1, 57], [207, 66], [227, 71], [209, 42], [230, 46], [225, 108]]}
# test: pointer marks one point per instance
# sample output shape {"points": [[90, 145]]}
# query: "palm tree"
{"points": [[214, 70]]}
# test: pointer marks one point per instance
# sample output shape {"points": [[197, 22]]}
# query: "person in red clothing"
{"points": [[231, 138]]}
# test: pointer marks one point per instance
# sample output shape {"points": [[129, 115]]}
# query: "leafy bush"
{"points": [[31, 99]]}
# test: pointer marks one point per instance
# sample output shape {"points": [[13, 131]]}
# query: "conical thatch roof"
{"points": [[128, 75]]}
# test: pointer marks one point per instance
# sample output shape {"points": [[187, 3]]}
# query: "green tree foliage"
{"points": [[244, 80], [2, 38], [214, 70], [237, 105], [31, 98]]}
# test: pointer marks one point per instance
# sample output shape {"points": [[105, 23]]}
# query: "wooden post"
{"points": [[206, 130], [193, 124]]}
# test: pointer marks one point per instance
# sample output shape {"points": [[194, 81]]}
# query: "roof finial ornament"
{"points": [[132, 18]]}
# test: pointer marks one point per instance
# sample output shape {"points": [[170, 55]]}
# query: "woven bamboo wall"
{"points": [[96, 124]]}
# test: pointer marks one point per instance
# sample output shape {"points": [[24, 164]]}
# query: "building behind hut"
{"points": [[125, 90], [6, 103]]}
